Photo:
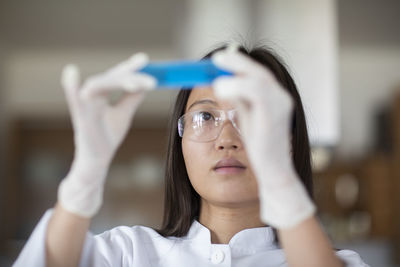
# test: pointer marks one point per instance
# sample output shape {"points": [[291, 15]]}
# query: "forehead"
{"points": [[200, 93]]}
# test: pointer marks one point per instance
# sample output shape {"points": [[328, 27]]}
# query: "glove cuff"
{"points": [[286, 206], [81, 192]]}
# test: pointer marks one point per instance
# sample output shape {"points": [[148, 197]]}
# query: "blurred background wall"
{"points": [[345, 56]]}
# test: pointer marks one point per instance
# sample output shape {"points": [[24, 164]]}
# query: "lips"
{"points": [[229, 162]]}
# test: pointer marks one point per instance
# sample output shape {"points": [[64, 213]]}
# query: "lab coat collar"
{"points": [[245, 242]]}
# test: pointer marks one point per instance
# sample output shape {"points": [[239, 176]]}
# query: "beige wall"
{"points": [[370, 78]]}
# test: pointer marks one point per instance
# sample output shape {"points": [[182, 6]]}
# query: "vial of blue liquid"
{"points": [[184, 74]]}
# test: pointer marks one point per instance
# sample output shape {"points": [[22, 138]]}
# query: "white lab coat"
{"points": [[143, 247]]}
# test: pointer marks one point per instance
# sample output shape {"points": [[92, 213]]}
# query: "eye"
{"points": [[203, 116]]}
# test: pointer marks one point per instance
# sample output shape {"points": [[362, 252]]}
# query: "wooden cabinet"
{"points": [[396, 169], [377, 176], [374, 188]]}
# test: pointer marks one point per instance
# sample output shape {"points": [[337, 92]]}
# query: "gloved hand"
{"points": [[264, 111], [99, 128]]}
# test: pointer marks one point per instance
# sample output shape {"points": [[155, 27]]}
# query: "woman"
{"points": [[238, 166]]}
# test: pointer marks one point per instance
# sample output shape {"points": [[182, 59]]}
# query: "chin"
{"points": [[233, 195]]}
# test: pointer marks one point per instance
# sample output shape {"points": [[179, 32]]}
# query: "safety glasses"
{"points": [[205, 125]]}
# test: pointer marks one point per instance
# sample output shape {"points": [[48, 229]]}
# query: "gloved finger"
{"points": [[132, 64], [102, 84], [138, 81], [119, 117], [238, 63], [137, 61], [126, 106], [254, 91], [237, 88], [70, 80]]}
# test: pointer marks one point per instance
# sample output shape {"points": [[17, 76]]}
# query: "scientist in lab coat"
{"points": [[238, 174]]}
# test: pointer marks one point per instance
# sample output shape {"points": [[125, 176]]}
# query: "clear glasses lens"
{"points": [[204, 125], [233, 116]]}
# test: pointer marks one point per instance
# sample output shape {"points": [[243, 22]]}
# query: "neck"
{"points": [[224, 222]]}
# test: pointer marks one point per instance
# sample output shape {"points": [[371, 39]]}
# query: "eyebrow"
{"points": [[203, 101]]}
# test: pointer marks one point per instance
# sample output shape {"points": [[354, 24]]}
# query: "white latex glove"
{"points": [[99, 128], [265, 109]]}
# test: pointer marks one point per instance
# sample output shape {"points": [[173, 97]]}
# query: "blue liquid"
{"points": [[184, 73]]}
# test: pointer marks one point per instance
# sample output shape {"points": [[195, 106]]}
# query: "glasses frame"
{"points": [[224, 115]]}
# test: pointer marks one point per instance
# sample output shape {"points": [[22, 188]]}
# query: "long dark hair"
{"points": [[182, 203]]}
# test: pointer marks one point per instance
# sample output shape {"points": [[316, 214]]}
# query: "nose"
{"points": [[228, 138]]}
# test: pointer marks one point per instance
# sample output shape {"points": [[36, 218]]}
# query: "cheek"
{"points": [[197, 160]]}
